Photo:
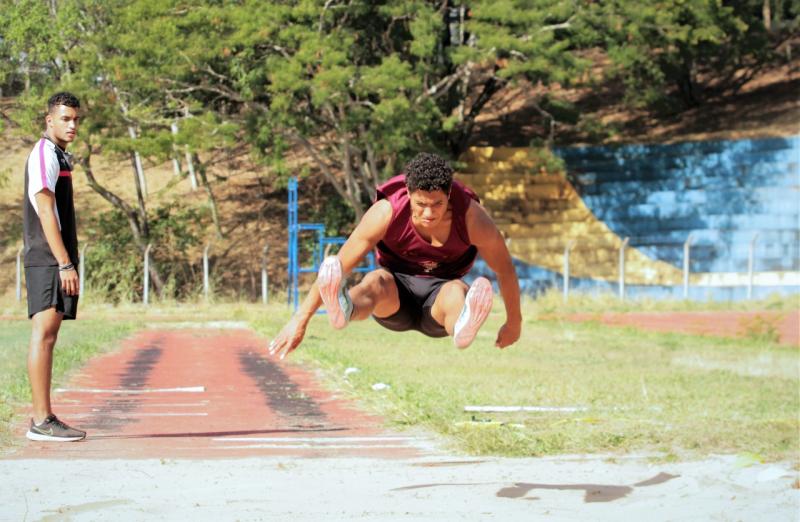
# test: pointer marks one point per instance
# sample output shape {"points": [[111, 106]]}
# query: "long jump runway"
{"points": [[200, 424], [203, 393]]}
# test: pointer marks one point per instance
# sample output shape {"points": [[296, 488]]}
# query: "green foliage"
{"points": [[676, 51], [543, 159], [336, 215], [114, 263], [356, 88]]}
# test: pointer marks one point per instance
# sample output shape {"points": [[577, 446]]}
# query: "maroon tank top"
{"points": [[403, 250]]}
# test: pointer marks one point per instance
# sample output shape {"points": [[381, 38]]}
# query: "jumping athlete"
{"points": [[51, 257], [427, 229]]}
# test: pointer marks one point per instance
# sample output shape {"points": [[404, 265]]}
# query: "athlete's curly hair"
{"points": [[63, 98], [428, 172]]}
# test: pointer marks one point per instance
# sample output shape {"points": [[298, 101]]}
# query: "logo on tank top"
{"points": [[429, 266]]}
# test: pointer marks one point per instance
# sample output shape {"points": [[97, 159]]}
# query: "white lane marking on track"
{"points": [[134, 415], [311, 446], [214, 325], [186, 389], [103, 407], [321, 440], [523, 408]]}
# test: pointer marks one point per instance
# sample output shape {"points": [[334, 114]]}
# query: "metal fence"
{"points": [[566, 279], [206, 283]]}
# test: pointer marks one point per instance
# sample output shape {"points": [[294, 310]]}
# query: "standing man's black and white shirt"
{"points": [[48, 167]]}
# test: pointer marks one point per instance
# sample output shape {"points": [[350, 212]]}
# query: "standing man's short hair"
{"points": [[428, 172], [63, 98]]}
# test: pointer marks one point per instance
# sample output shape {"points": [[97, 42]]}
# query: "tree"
{"points": [[356, 86], [359, 86], [699, 48], [508, 40], [86, 47]]}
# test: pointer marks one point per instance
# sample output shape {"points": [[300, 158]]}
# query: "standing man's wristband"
{"points": [[67, 267]]}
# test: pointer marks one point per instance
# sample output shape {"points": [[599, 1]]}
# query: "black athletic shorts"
{"points": [[417, 294], [44, 291]]}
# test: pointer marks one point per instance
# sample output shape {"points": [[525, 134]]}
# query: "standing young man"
{"points": [[51, 257], [427, 229]]}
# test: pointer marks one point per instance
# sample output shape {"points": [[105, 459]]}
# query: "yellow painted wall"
{"points": [[540, 213]]}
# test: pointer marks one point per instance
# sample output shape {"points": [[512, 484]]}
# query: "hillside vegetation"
{"points": [[342, 95]]}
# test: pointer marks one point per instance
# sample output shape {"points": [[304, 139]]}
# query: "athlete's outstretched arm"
{"points": [[483, 233], [369, 231]]}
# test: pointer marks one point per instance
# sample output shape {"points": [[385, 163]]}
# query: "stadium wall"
{"points": [[725, 195]]}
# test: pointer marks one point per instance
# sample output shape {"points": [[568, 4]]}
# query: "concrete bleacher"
{"points": [[723, 193]]}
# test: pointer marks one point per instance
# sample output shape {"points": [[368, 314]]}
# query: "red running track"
{"points": [[209, 394]]}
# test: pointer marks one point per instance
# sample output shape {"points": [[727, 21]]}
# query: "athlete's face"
{"points": [[62, 124], [428, 208]]}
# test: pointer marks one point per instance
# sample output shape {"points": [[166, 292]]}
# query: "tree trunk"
{"points": [[212, 201], [137, 222], [141, 182], [766, 12], [459, 143], [176, 161]]}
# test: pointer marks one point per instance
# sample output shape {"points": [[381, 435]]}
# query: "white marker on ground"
{"points": [[187, 389]]}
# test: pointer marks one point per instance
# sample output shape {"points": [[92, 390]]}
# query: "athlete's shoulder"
{"points": [[379, 212], [478, 221], [375, 221]]}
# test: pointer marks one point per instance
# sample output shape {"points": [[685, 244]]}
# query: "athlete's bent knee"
{"points": [[381, 282], [453, 291]]}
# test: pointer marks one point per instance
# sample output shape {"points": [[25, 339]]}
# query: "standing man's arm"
{"points": [[45, 202], [483, 233], [368, 233]]}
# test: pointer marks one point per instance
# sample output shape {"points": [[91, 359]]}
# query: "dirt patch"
{"points": [[782, 327], [767, 106]]}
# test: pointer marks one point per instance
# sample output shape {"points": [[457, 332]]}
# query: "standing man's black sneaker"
{"points": [[53, 430]]}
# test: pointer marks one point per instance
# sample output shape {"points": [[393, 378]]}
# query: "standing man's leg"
{"points": [[462, 311], [40, 360], [45, 426]]}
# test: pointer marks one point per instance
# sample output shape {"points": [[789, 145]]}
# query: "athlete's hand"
{"points": [[288, 338], [509, 334], [69, 281]]}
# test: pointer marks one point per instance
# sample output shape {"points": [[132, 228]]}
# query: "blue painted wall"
{"points": [[722, 192]]}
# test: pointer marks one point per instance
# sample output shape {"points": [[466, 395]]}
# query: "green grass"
{"points": [[669, 394], [77, 342], [647, 392]]}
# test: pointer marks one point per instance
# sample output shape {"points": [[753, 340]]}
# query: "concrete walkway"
{"points": [[199, 424]]}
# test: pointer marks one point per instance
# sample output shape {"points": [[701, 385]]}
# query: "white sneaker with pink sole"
{"points": [[476, 309], [337, 300]]}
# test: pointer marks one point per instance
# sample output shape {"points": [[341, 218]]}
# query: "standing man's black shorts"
{"points": [[44, 291], [417, 294]]}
